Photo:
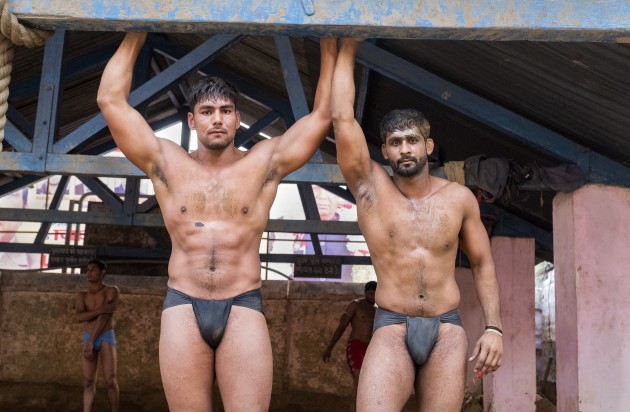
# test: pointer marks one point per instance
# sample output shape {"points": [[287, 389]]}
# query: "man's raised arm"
{"points": [[353, 156], [130, 131], [296, 146]]}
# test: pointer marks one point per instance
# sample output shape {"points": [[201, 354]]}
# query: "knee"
{"points": [[111, 382], [89, 383]]}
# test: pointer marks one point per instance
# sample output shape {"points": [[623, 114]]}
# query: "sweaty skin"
{"points": [[413, 251], [215, 203]]}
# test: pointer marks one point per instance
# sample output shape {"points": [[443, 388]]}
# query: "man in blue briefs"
{"points": [[215, 202], [96, 306], [413, 224]]}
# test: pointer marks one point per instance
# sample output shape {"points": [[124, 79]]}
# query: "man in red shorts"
{"points": [[359, 313]]}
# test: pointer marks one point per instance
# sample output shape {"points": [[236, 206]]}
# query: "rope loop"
{"points": [[12, 32]]}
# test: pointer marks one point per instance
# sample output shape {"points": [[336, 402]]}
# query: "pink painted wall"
{"points": [[592, 253], [513, 386]]}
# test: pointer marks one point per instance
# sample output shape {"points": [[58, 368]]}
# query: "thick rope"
{"points": [[12, 33]]}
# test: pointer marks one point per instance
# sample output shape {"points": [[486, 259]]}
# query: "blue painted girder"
{"points": [[575, 20]]}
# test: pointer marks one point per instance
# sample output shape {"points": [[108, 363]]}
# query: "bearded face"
{"points": [[407, 151], [408, 166]]}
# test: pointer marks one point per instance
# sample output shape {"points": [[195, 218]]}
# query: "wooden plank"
{"points": [[540, 20]]}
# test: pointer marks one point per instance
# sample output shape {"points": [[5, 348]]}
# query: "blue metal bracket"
{"points": [[309, 9]]}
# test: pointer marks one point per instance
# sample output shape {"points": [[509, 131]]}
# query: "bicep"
{"points": [[113, 295], [474, 237], [353, 155], [298, 144], [133, 135]]}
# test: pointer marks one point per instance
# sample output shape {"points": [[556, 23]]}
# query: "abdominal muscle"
{"points": [[215, 261]]}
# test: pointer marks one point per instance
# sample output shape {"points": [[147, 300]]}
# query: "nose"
{"points": [[405, 147], [217, 117]]}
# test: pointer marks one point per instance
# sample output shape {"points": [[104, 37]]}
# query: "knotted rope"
{"points": [[12, 33]]}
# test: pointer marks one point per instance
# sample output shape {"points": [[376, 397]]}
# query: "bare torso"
{"points": [[93, 301], [414, 249], [215, 218], [363, 320]]}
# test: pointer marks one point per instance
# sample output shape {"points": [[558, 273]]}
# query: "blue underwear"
{"points": [[422, 332], [212, 315], [108, 336]]}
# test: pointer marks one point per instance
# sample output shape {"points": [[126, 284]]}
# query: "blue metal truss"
{"points": [[577, 20], [39, 156]]}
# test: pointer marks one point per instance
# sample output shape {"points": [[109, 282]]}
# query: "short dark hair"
{"points": [[402, 119], [371, 285], [100, 263], [212, 87]]}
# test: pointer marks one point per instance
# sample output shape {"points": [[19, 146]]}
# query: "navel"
{"points": [[392, 234], [183, 209], [244, 210]]}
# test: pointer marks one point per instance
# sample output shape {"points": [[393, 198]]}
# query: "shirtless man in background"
{"points": [[360, 314], [215, 202], [96, 307], [413, 224]]}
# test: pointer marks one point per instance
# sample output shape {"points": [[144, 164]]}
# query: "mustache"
{"points": [[407, 159]]}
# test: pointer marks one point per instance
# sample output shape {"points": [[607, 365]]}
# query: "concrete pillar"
{"points": [[513, 386], [592, 256]]}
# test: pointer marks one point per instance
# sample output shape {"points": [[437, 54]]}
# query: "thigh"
{"points": [[441, 380], [186, 361], [387, 374], [109, 359], [244, 366]]}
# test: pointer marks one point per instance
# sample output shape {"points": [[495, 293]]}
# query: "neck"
{"points": [[417, 186], [96, 288], [218, 157]]}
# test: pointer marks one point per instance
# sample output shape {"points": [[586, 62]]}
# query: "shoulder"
{"points": [[171, 148], [112, 290], [453, 191]]}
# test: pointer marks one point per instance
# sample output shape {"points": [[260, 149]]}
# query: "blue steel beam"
{"points": [[17, 139], [293, 84], [22, 123], [110, 199], [54, 205], [75, 68], [245, 136], [600, 169], [541, 20], [50, 87]]}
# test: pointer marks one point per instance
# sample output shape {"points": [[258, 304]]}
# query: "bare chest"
{"points": [[403, 225], [205, 197]]}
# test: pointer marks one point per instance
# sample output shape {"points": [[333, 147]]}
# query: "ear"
{"points": [[238, 119], [430, 145], [384, 152], [191, 121]]}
